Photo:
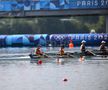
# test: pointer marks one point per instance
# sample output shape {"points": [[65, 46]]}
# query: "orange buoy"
{"points": [[71, 45], [39, 62]]}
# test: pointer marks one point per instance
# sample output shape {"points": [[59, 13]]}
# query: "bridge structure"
{"points": [[44, 8]]}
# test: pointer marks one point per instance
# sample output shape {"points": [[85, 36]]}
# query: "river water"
{"points": [[19, 74]]}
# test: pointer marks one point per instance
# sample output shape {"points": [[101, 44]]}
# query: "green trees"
{"points": [[49, 25]]}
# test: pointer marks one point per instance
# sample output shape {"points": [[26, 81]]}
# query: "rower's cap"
{"points": [[83, 41], [103, 42]]}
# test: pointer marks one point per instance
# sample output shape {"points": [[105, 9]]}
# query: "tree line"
{"points": [[52, 25]]}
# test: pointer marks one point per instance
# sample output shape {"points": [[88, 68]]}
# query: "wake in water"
{"points": [[16, 56]]}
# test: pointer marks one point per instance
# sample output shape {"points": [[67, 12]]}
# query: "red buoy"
{"points": [[65, 79], [39, 62]]}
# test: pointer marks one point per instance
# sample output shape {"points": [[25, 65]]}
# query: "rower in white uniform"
{"points": [[83, 49], [103, 48]]}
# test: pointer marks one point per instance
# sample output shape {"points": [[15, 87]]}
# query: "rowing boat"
{"points": [[97, 57], [56, 55], [98, 52], [69, 54], [76, 55], [33, 56]]}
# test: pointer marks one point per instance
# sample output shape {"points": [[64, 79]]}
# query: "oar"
{"points": [[45, 55], [51, 57], [96, 55], [91, 53], [70, 54]]}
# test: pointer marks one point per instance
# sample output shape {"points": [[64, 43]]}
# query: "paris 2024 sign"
{"points": [[27, 5]]}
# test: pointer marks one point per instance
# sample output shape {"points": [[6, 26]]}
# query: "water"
{"points": [[23, 75]]}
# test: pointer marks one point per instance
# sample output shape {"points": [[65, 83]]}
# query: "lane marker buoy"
{"points": [[39, 62]]}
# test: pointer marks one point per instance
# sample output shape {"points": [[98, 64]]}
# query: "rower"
{"points": [[61, 52], [84, 51], [102, 47], [38, 51], [82, 47]]}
